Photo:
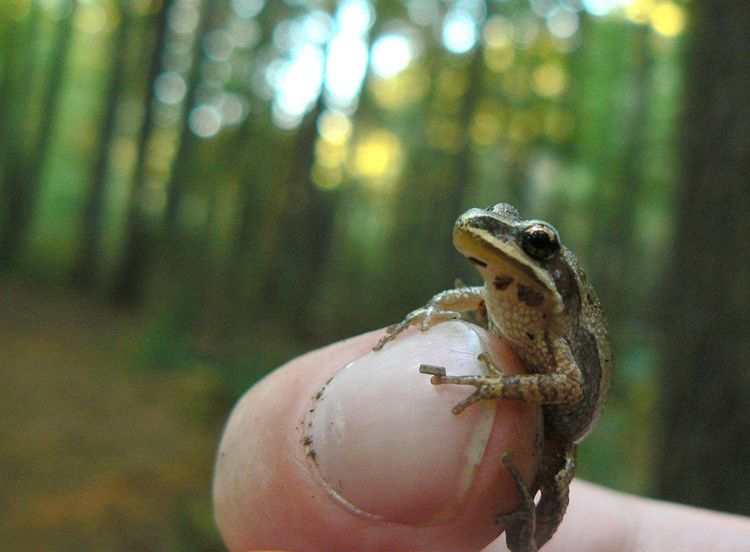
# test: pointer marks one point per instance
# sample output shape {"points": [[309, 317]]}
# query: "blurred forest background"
{"points": [[193, 191]]}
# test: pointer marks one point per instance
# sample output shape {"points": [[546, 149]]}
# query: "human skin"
{"points": [[346, 449]]}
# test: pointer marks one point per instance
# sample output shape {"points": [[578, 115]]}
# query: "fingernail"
{"points": [[383, 439]]}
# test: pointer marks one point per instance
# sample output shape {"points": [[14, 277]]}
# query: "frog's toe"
{"points": [[520, 525], [439, 377], [391, 332], [433, 316], [490, 365], [518, 516], [467, 402], [527, 507], [432, 370]]}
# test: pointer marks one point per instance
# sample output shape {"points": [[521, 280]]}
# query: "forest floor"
{"points": [[97, 453]]}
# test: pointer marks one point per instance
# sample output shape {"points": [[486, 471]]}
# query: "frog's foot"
{"points": [[521, 523], [425, 317], [486, 385], [490, 365]]}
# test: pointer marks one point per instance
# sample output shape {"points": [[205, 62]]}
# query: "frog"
{"points": [[536, 297]]}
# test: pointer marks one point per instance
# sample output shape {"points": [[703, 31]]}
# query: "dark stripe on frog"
{"points": [[571, 421], [529, 296], [570, 282], [492, 225], [477, 261], [502, 257], [502, 282]]}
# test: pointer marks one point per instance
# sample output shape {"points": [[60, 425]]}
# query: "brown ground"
{"points": [[96, 453]]}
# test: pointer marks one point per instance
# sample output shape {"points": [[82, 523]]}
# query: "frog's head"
{"points": [[519, 259]]}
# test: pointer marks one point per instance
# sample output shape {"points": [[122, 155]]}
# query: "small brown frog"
{"points": [[535, 296]]}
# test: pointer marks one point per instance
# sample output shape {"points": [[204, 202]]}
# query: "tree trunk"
{"points": [[178, 179], [454, 202], [243, 239], [705, 450], [12, 117], [305, 228], [87, 263], [23, 175], [246, 249], [620, 241], [131, 277]]}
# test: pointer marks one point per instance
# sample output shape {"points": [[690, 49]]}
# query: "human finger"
{"points": [[349, 449]]}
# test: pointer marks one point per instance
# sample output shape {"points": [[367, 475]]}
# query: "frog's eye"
{"points": [[540, 242]]}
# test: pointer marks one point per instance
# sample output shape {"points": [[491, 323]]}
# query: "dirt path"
{"points": [[96, 454]]}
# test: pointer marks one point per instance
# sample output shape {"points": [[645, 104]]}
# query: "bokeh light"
{"points": [[205, 120], [335, 127], [391, 54], [603, 7], [459, 31], [245, 33], [247, 8], [423, 12], [668, 19], [550, 80], [562, 23], [170, 88], [399, 92], [377, 158], [91, 18], [184, 17], [497, 32], [345, 69], [297, 84]]}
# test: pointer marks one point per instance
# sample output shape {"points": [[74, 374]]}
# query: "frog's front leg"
{"points": [[561, 385], [446, 305]]}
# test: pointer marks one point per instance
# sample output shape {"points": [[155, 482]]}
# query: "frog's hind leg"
{"points": [[559, 470], [530, 526], [520, 525]]}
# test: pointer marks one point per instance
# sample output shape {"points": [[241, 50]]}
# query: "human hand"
{"points": [[378, 462]]}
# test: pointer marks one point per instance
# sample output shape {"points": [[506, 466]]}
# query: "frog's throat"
{"points": [[499, 252]]}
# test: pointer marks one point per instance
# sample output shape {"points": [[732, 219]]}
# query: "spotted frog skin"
{"points": [[537, 298]]}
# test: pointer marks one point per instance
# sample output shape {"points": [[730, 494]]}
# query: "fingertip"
{"points": [[372, 458]]}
